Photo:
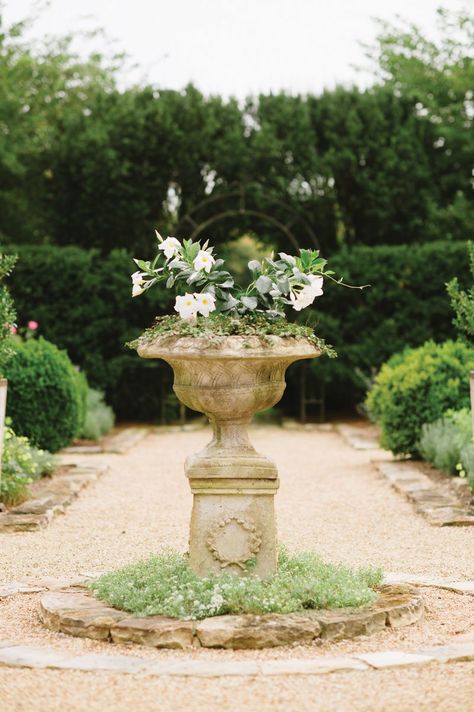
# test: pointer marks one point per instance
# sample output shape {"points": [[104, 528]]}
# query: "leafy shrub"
{"points": [[45, 398], [7, 311], [21, 464], [100, 417], [463, 302], [417, 387], [165, 585], [441, 442]]}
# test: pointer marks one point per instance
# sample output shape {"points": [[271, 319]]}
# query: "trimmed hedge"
{"points": [[46, 397], [83, 304], [405, 305], [417, 387]]}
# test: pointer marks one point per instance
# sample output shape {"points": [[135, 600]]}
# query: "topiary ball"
{"points": [[45, 395], [418, 386]]}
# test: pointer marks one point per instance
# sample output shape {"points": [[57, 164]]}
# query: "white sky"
{"points": [[236, 47]]}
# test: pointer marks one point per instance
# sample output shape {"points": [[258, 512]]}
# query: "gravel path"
{"points": [[331, 499]]}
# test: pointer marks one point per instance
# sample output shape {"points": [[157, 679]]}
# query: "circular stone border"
{"points": [[75, 611]]}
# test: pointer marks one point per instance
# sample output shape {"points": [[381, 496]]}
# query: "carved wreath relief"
{"points": [[233, 541]]}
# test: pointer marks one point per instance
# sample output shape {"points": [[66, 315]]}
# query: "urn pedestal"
{"points": [[233, 525]]}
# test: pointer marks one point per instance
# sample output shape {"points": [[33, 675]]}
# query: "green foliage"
{"points": [[7, 311], [100, 417], [463, 302], [21, 464], [442, 441], [405, 305], [218, 325], [165, 585], [44, 394], [418, 387], [386, 165], [87, 309], [437, 77]]}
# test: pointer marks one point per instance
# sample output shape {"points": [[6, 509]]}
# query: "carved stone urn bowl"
{"points": [[230, 378]]}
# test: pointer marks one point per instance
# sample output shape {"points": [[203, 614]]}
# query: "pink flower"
{"points": [[32, 325], [13, 329]]}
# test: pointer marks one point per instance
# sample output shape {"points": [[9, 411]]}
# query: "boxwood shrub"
{"points": [[417, 387], [46, 396]]}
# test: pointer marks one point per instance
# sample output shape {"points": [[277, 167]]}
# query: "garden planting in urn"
{"points": [[229, 349]]}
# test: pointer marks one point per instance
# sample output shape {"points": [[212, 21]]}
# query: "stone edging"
{"points": [[360, 437], [440, 504], [119, 441], [44, 657], [77, 612], [50, 496]]}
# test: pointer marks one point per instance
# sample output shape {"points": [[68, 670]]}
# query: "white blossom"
{"points": [[187, 306], [206, 303], [204, 260], [306, 296], [170, 247], [137, 283]]}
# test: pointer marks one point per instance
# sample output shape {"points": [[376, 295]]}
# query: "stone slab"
{"points": [[112, 663], [205, 668], [31, 657], [23, 522], [430, 582], [12, 589], [154, 631], [248, 631], [456, 652], [394, 658], [316, 666]]}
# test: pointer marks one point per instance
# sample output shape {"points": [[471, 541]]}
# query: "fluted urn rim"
{"points": [[267, 346]]}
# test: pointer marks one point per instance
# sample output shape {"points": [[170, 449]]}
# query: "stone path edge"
{"points": [[23, 656], [76, 612], [50, 496], [439, 504], [442, 504]]}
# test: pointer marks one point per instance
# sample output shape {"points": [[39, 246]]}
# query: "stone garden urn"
{"points": [[233, 525]]}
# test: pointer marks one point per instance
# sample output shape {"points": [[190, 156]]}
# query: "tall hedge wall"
{"points": [[83, 304], [406, 304]]}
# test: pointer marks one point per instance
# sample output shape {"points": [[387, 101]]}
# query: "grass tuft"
{"points": [[165, 585]]}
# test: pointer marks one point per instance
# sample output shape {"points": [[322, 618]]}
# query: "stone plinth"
{"points": [[229, 379]]}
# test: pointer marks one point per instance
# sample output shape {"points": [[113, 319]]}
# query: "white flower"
{"points": [[206, 303], [186, 306], [204, 260], [137, 282], [287, 258], [316, 284], [170, 247], [306, 296]]}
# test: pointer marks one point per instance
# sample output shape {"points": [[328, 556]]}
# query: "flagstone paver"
{"points": [[44, 657]]}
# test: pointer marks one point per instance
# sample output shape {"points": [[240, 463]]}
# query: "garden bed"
{"points": [[75, 611]]}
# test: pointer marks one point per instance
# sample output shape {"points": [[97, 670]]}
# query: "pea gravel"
{"points": [[331, 499]]}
